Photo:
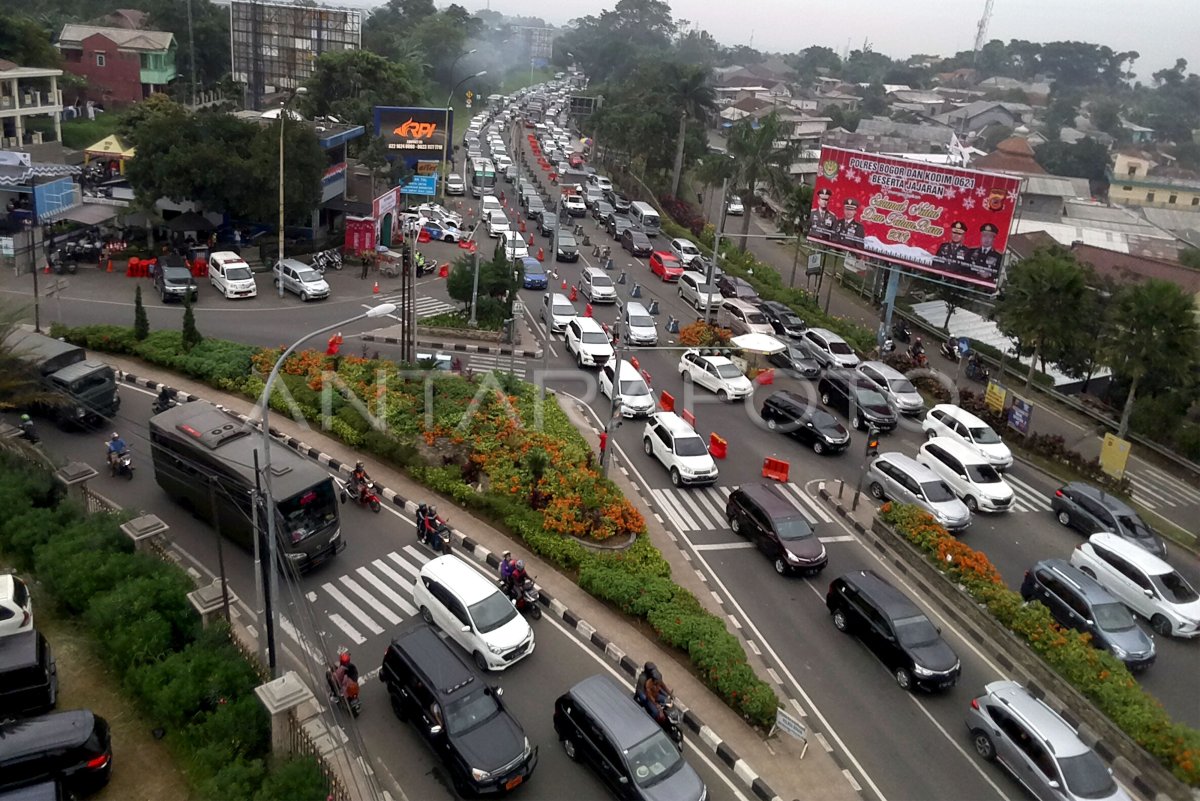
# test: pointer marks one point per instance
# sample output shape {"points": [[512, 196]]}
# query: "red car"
{"points": [[576, 160], [665, 265]]}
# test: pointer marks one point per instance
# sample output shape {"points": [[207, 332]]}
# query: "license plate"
{"points": [[513, 782]]}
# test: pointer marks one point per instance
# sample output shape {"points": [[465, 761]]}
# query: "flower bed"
{"points": [[477, 443], [1093, 672]]}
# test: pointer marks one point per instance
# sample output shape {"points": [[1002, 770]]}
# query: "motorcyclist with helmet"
{"points": [[507, 563], [27, 430], [359, 480], [429, 524], [917, 351], [652, 692], [516, 579], [345, 678], [116, 447]]}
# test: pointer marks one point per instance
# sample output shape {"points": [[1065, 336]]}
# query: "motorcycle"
{"points": [[336, 696], [672, 719], [439, 538], [888, 346], [918, 357], [121, 464], [901, 331], [29, 434], [976, 371], [161, 404], [364, 495], [525, 598], [950, 351]]}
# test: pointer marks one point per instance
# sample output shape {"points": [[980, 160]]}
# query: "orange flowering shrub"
{"points": [[703, 335]]}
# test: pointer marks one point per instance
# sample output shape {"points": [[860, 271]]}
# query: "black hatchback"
{"points": [[796, 359], [1088, 510], [783, 319], [854, 396], [894, 628], [808, 423], [462, 718], [74, 747], [636, 242]]}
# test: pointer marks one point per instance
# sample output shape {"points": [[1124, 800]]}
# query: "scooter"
{"points": [[122, 465], [888, 346], [976, 371], [349, 698], [439, 539], [950, 351], [672, 720], [29, 433], [901, 331], [365, 496], [919, 357], [526, 598], [162, 404]]}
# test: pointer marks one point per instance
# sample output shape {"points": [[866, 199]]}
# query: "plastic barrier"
{"points": [[634, 361], [422, 237], [587, 310], [717, 446], [465, 244], [646, 376], [775, 468], [667, 401], [765, 378], [688, 418], [132, 267]]}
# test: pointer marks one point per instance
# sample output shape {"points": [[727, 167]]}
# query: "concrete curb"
{"points": [[604, 645], [458, 347]]}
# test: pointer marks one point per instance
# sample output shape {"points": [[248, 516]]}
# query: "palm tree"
{"points": [[1153, 331], [760, 153], [1038, 290], [694, 97]]}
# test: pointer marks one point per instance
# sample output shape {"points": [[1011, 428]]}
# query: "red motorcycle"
{"points": [[365, 495]]}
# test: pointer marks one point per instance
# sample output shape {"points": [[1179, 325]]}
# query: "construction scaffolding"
{"points": [[275, 46]]}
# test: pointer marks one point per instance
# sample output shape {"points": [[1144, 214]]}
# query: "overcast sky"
{"points": [[1160, 30]]}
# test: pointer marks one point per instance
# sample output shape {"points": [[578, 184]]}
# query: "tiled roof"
{"points": [[1012, 155], [148, 41]]}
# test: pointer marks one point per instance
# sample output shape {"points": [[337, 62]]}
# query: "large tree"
{"points": [[1034, 306], [1153, 333], [26, 43], [348, 84], [693, 97], [209, 33], [760, 155]]}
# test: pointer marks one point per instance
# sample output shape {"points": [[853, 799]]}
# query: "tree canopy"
{"points": [[348, 84]]}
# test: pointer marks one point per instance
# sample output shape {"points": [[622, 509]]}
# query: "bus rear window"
{"points": [[309, 511]]}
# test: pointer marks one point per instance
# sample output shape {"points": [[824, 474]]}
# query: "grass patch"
{"points": [[82, 132]]}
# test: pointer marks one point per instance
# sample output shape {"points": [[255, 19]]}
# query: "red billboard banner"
{"points": [[943, 220]]}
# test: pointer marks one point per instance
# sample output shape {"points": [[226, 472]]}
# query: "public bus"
{"points": [[204, 459], [483, 177], [645, 218]]}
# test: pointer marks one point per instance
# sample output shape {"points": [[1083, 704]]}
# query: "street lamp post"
{"points": [[381, 310], [283, 112], [708, 277], [446, 118]]}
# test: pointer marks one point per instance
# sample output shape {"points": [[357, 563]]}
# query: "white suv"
{"points": [[231, 275], [16, 606], [1143, 582], [634, 396], [684, 250], [715, 373], [978, 484], [676, 444], [589, 342], [948, 420], [457, 599], [574, 205], [596, 286]]}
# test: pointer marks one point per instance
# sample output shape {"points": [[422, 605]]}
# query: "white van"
{"points": [[231, 275], [644, 218], [514, 246], [741, 317], [634, 396], [970, 475], [557, 311], [637, 326]]}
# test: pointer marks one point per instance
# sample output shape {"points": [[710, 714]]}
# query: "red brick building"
{"points": [[121, 66]]}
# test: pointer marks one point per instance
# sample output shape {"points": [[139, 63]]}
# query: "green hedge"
{"points": [[193, 683], [1095, 673], [672, 611]]}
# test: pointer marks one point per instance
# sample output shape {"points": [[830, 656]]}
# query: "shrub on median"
{"points": [[1093, 672], [194, 684]]}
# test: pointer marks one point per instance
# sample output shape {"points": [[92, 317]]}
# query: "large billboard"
{"points": [[414, 134], [943, 220]]}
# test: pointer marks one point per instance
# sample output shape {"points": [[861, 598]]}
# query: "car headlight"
{"points": [[295, 557], [479, 775], [495, 650], [1119, 652], [923, 671], [80, 411], [528, 747]]}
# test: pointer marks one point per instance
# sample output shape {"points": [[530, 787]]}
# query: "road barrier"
{"points": [[765, 378], [775, 468], [717, 446], [667, 401], [688, 418]]}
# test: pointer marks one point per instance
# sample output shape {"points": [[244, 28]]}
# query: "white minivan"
{"points": [[231, 275], [971, 476], [634, 396], [557, 311], [645, 218], [456, 598], [948, 420], [638, 326]]}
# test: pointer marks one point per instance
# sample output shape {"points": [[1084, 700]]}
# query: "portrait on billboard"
{"points": [[948, 221]]}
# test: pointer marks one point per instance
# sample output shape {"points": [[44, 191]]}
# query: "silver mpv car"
{"points": [[900, 478], [1038, 747]]}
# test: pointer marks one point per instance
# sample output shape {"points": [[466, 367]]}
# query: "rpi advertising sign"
{"points": [[414, 133]]}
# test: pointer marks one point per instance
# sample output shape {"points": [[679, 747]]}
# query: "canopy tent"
{"points": [[758, 343], [109, 148], [189, 221]]}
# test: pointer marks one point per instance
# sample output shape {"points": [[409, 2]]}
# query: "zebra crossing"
{"points": [[1153, 488], [1027, 498], [703, 508], [426, 306], [484, 362]]}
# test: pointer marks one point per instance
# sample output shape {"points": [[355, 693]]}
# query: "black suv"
{"points": [[762, 515], [568, 248], [461, 717], [783, 319], [74, 747], [547, 222], [795, 416], [619, 202], [1079, 602], [856, 397], [894, 628], [600, 725], [1088, 510], [173, 280], [28, 674]]}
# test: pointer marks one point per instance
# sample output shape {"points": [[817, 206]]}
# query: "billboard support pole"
{"points": [[889, 302]]}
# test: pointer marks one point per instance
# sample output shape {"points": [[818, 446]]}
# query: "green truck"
{"points": [[88, 388]]}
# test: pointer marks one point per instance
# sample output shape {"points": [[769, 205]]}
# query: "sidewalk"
{"points": [[767, 769]]}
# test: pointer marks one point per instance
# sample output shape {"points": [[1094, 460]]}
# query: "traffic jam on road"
{"points": [[727, 461]]}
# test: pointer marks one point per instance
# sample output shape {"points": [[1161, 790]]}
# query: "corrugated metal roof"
{"points": [[1053, 185], [1173, 219]]}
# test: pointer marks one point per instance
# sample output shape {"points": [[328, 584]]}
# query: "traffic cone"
{"points": [[574, 293], [564, 286], [587, 310], [109, 266], [46, 271], [375, 291], [530, 242], [541, 253]]}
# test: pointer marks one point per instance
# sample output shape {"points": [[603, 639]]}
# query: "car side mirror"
{"points": [[810, 425], [623, 780], [1149, 592], [498, 691], [1053, 785], [435, 730], [466, 629]]}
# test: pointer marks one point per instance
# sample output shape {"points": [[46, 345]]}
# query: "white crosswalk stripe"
{"points": [[426, 306], [1182, 492], [1027, 498], [703, 508], [484, 362]]}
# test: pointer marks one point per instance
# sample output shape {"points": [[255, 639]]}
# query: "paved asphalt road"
{"points": [[889, 737], [354, 601]]}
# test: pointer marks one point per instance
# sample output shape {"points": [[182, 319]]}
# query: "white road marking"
{"points": [[352, 608], [724, 546]]}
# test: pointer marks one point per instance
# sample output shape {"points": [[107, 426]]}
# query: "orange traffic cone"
{"points": [[541, 253], [587, 310], [574, 293], [564, 286], [375, 291], [109, 266], [530, 242]]}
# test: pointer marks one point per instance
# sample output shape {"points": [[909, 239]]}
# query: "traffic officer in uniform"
{"points": [[985, 259], [824, 224], [850, 230], [954, 256]]}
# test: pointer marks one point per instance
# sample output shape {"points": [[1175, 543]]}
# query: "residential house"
{"points": [[1184, 223], [746, 107], [728, 95], [879, 134], [1036, 92], [1124, 268], [120, 65], [1138, 134], [30, 107], [924, 103], [1139, 179], [1014, 155], [773, 70], [978, 115], [836, 98], [963, 78]]}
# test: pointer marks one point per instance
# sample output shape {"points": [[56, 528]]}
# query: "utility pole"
{"points": [[709, 311], [473, 322]]}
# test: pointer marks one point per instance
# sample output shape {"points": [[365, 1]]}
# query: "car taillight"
{"points": [[1058, 493], [25, 619], [975, 704], [96, 763]]}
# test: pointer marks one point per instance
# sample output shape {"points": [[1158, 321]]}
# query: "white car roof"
{"points": [[1131, 552], [961, 415], [467, 584]]}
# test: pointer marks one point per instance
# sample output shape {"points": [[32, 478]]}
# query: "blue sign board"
{"points": [[1019, 414], [420, 185]]}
